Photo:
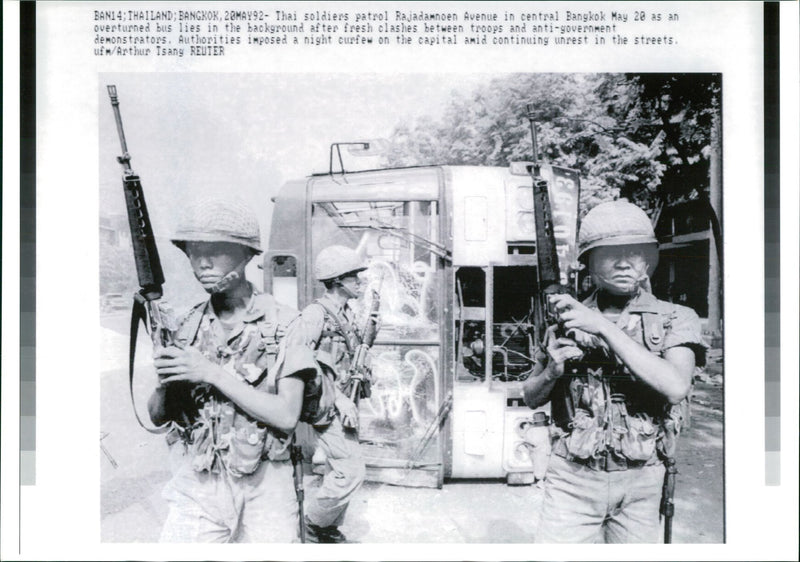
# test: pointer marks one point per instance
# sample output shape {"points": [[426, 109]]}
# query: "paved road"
{"points": [[461, 512]]}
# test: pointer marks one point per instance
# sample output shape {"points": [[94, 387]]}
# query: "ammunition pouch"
{"points": [[586, 440], [319, 398], [638, 441], [239, 443], [653, 328]]}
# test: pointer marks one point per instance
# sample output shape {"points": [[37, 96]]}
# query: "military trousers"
{"points": [[583, 505], [217, 507], [344, 475]]}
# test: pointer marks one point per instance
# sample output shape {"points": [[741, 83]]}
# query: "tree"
{"points": [[117, 270], [645, 137]]}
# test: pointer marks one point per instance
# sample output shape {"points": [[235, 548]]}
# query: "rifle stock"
{"points": [[296, 456]]}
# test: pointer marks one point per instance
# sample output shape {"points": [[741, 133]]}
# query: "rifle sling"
{"points": [[139, 314], [341, 322]]}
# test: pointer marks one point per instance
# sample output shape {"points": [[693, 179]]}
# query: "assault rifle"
{"points": [[549, 271], [359, 372], [146, 306], [296, 455], [667, 508]]}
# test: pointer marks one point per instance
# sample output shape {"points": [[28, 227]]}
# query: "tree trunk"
{"points": [[715, 198]]}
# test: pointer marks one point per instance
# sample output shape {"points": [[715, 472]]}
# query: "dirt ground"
{"points": [[132, 509]]}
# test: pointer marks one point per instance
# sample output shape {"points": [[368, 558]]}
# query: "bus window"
{"points": [[400, 242], [284, 279], [470, 319], [512, 329], [511, 335]]}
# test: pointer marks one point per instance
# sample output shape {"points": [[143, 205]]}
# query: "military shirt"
{"points": [[600, 407], [329, 337], [220, 434]]}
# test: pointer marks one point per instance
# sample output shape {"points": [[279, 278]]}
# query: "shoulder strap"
{"points": [[653, 328], [272, 372], [139, 314], [341, 323]]}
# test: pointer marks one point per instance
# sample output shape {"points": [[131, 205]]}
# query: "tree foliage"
{"points": [[118, 273], [644, 137], [117, 268]]}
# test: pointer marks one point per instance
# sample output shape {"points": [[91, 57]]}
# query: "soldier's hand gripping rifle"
{"points": [[360, 375], [145, 253]]}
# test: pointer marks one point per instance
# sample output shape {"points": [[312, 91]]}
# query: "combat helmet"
{"points": [[615, 223], [217, 219], [335, 261]]}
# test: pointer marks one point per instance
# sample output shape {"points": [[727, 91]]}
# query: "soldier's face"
{"points": [[621, 269], [211, 261], [352, 285]]}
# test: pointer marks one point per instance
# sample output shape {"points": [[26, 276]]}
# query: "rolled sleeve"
{"points": [[306, 329], [685, 331], [298, 362]]}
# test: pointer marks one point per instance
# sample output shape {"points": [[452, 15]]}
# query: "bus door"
{"points": [[400, 240]]}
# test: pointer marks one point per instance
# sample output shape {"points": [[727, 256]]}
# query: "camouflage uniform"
{"points": [[346, 469], [232, 479], [611, 429], [611, 433]]}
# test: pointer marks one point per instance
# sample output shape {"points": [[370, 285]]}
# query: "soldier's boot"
{"points": [[325, 535]]}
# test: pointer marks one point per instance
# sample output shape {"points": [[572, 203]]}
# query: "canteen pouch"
{"points": [[229, 435], [247, 442], [586, 438]]}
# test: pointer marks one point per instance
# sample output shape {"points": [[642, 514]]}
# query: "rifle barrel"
{"points": [[534, 144], [125, 159]]}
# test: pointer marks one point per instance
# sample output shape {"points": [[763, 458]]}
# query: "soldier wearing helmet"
{"points": [[614, 372], [229, 394], [328, 324]]}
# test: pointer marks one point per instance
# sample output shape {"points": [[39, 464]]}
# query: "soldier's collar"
{"points": [[258, 306], [332, 304], [255, 308], [642, 302]]}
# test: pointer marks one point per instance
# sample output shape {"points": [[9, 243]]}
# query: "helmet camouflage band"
{"points": [[615, 223], [336, 261], [215, 219]]}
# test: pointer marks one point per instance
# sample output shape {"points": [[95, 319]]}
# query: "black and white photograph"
{"points": [[510, 308], [400, 281]]}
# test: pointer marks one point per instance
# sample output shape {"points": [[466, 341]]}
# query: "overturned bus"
{"points": [[452, 254]]}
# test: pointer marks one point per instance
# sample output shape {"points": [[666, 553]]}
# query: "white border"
{"points": [[761, 522]]}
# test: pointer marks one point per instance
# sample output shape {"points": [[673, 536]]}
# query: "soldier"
{"points": [[329, 331], [614, 373], [231, 395]]}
